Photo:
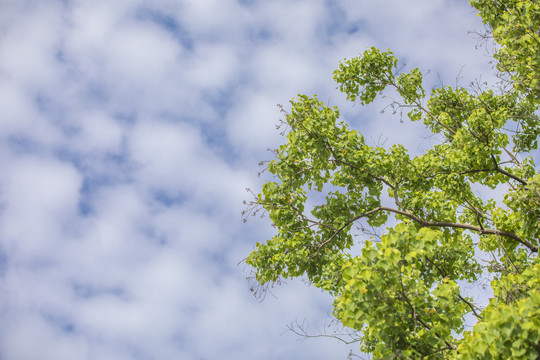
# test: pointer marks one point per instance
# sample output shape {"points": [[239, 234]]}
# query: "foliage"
{"points": [[404, 291]]}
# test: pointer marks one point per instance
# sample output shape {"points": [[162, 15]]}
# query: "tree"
{"points": [[442, 230]]}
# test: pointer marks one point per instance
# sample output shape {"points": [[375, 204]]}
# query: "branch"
{"points": [[314, 222], [479, 214], [443, 274], [419, 105], [502, 171], [299, 329], [343, 227], [471, 306], [396, 198], [513, 157], [473, 171], [480, 230], [343, 162], [416, 317]]}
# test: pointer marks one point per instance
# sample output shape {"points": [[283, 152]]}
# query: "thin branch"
{"points": [[343, 162], [344, 226], [314, 222], [416, 317], [299, 329], [471, 306], [502, 171], [426, 111], [443, 274], [396, 198], [479, 214], [514, 159]]}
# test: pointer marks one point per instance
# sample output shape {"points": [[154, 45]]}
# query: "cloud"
{"points": [[38, 196], [129, 131]]}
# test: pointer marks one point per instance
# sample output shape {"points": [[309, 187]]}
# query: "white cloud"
{"points": [[130, 131], [213, 66], [39, 195], [139, 55], [18, 114], [28, 51], [97, 133]]}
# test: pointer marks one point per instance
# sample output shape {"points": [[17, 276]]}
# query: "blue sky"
{"points": [[129, 131]]}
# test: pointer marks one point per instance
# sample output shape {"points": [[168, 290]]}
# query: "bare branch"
{"points": [[301, 330]]}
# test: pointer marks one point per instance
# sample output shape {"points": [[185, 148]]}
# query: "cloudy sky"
{"points": [[129, 131]]}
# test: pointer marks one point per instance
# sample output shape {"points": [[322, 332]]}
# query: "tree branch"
{"points": [[504, 172], [443, 274], [343, 227], [299, 329], [480, 230], [415, 314]]}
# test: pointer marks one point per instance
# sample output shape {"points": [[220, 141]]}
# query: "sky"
{"points": [[129, 132]]}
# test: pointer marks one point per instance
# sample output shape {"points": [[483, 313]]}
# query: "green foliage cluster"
{"points": [[403, 291], [515, 29]]}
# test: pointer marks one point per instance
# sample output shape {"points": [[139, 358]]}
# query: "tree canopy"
{"points": [[466, 208]]}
